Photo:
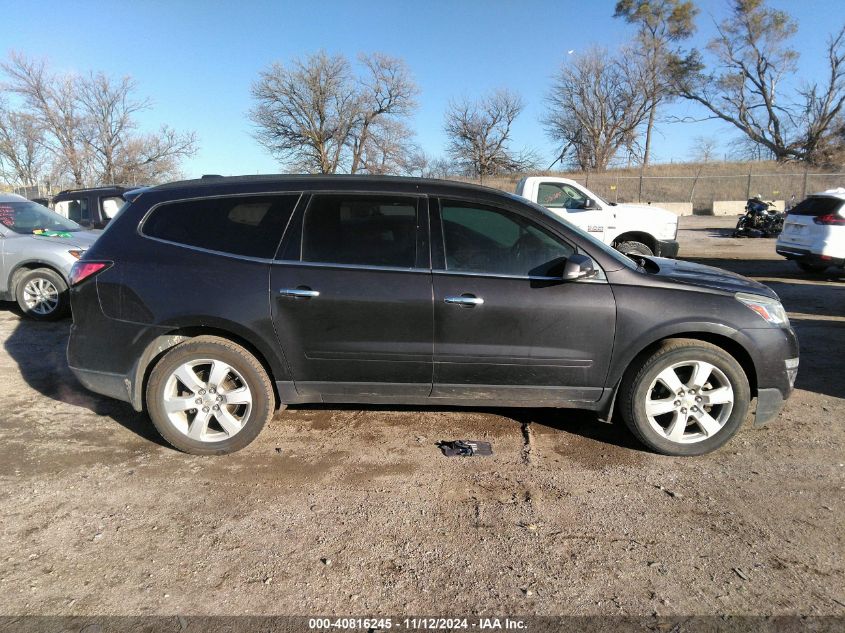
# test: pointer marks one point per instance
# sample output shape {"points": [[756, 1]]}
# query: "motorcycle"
{"points": [[761, 219]]}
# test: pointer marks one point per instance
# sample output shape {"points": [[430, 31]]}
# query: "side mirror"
{"points": [[589, 203], [578, 267]]}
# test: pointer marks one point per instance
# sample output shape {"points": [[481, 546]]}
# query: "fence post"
{"points": [[804, 184], [640, 191], [748, 186]]}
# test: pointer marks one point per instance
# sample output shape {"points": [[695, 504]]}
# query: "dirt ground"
{"points": [[355, 511]]}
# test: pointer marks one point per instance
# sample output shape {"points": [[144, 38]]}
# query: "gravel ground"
{"points": [[353, 510]]}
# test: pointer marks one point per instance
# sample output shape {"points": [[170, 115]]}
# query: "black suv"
{"points": [[92, 208], [224, 298]]}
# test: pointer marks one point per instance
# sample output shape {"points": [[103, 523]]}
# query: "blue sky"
{"points": [[196, 60]]}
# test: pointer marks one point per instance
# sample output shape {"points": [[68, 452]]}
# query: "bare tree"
{"points": [[661, 23], [386, 95], [52, 101], [315, 115], [755, 62], [88, 126], [22, 154], [117, 153], [704, 149], [389, 148], [595, 106], [479, 135]]}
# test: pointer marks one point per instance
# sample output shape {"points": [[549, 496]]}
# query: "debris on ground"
{"points": [[465, 448]]}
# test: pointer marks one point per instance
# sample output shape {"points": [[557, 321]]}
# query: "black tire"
{"points": [[247, 369], [635, 390], [634, 248], [52, 294], [807, 267]]}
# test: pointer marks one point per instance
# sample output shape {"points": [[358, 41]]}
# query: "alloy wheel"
{"points": [[207, 400], [689, 401], [41, 296]]}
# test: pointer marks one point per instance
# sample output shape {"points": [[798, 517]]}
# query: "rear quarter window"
{"points": [[251, 226]]}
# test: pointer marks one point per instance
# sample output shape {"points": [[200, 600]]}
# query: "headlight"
{"points": [[76, 254], [769, 309]]}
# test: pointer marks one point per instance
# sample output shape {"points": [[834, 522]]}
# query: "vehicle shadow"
{"points": [[577, 422], [711, 231], [38, 349]]}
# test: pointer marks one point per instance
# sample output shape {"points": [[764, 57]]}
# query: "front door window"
{"points": [[480, 239], [555, 195]]}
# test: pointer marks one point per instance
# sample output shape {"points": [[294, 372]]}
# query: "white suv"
{"points": [[814, 232]]}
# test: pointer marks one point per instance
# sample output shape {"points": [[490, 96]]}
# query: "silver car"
{"points": [[37, 249]]}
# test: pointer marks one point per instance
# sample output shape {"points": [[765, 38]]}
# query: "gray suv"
{"points": [[37, 249]]}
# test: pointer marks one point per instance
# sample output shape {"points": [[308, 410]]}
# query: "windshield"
{"points": [[31, 217], [612, 252]]}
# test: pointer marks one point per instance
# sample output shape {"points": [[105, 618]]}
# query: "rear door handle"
{"points": [[303, 293], [465, 300]]}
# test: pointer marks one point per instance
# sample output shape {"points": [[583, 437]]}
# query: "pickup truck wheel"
{"points": [[812, 268], [634, 248], [687, 398], [42, 294], [209, 396]]}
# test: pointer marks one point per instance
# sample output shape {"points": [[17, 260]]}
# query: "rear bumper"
{"points": [[115, 386], [667, 248], [803, 255]]}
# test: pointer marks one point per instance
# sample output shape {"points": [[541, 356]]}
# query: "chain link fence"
{"points": [[701, 190]]}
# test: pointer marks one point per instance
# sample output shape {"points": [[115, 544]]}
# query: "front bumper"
{"points": [[667, 248]]}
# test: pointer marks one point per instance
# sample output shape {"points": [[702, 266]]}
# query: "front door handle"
{"points": [[465, 300], [299, 293]]}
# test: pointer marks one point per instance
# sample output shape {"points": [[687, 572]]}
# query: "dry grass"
{"points": [[699, 183]]}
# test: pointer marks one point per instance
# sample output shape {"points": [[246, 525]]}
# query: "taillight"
{"points": [[83, 270], [831, 219]]}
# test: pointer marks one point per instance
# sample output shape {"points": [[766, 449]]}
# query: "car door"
{"points": [[351, 297], [569, 202], [507, 327]]}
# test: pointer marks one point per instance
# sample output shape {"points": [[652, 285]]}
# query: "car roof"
{"points": [[11, 197], [839, 192], [117, 188], [318, 181]]}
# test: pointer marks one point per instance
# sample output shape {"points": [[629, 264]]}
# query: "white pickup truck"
{"points": [[629, 228]]}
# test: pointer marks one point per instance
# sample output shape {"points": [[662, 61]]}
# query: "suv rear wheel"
{"points": [[42, 294], [209, 396], [687, 398]]}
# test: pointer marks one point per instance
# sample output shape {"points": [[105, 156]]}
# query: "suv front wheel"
{"points": [[689, 397], [209, 396], [42, 294]]}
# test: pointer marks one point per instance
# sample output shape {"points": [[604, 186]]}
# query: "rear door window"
{"points": [[251, 226], [362, 230]]}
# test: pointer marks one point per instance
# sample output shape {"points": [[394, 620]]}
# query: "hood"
{"points": [[691, 274], [80, 240]]}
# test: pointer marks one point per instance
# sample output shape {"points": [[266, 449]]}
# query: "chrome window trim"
{"points": [[460, 273], [394, 269]]}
